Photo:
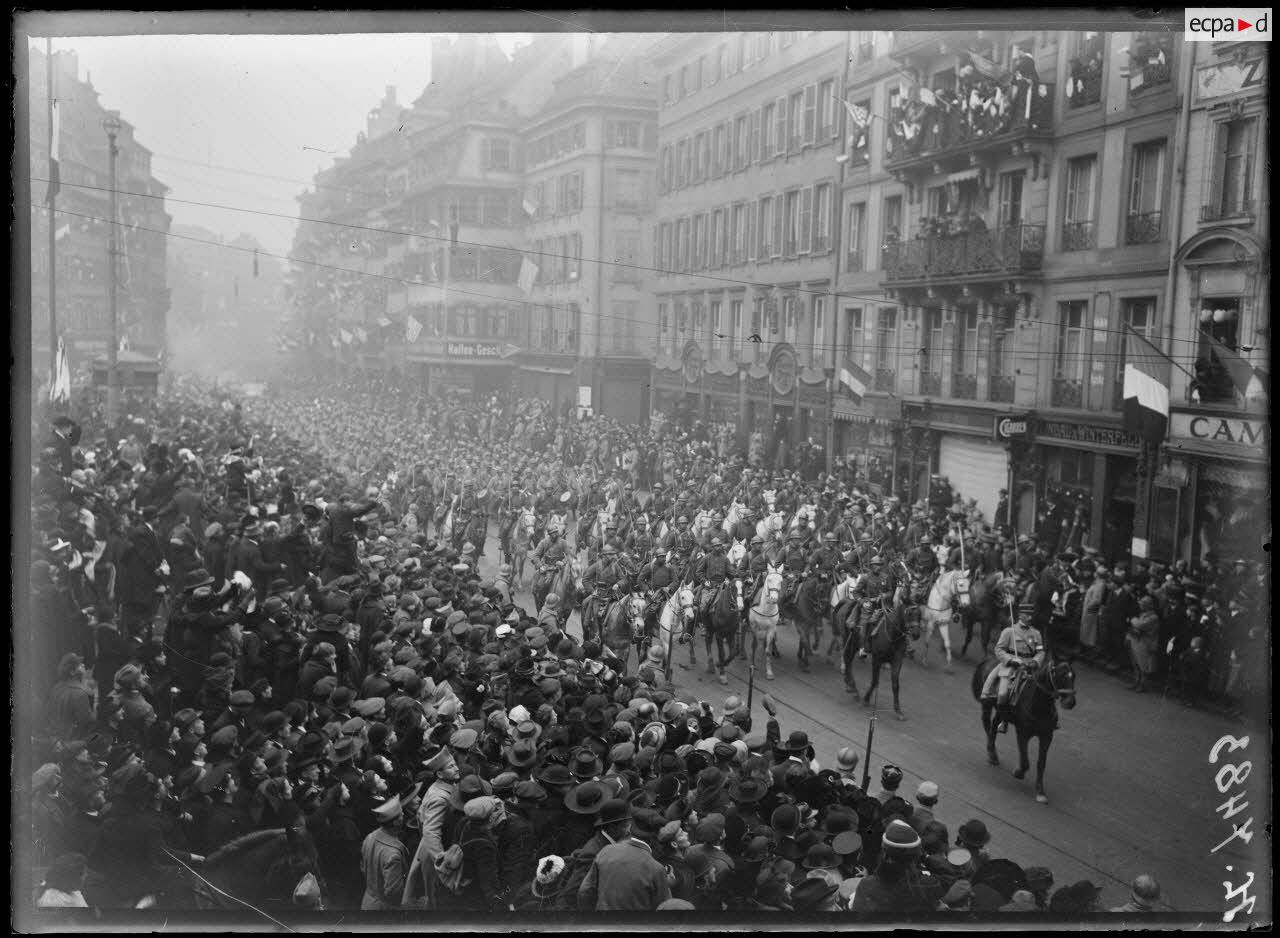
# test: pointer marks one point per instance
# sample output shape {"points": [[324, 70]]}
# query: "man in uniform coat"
{"points": [[384, 860]]}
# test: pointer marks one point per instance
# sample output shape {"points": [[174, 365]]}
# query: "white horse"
{"points": [[764, 615], [676, 622], [703, 521], [736, 552], [770, 526], [951, 586]]}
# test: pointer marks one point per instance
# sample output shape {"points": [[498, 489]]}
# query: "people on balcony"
{"points": [[1085, 82], [979, 106]]}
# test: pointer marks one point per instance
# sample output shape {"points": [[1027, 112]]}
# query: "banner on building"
{"points": [[855, 378], [412, 329], [528, 275]]}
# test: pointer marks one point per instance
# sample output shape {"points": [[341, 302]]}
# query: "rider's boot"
{"points": [[1003, 718]]}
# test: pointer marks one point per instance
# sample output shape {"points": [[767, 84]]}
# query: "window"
{"points": [[966, 353], [780, 127], [827, 124], [806, 220], [683, 163], [886, 328], [699, 69], [625, 134], [720, 63], [716, 342], [1143, 223], [662, 252], [791, 223], [764, 228], [1077, 226], [819, 328], [496, 153], [667, 97], [822, 218], [699, 241], [1236, 151], [740, 140], [1010, 197], [701, 157], [682, 89], [626, 255], [1069, 359], [753, 137], [810, 112], [855, 237], [931, 336], [767, 136], [852, 329], [665, 169], [739, 232], [717, 238], [891, 223], [937, 202], [628, 189], [735, 320], [1219, 318], [795, 121], [1002, 340], [682, 244], [746, 51], [1139, 314]]}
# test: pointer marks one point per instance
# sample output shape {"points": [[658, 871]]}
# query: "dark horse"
{"points": [[886, 636], [1033, 713], [722, 622], [263, 868]]}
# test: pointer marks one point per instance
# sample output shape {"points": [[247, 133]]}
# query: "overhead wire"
{"points": [[834, 294], [743, 341]]}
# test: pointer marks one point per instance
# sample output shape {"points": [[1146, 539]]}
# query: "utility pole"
{"points": [[112, 126]]}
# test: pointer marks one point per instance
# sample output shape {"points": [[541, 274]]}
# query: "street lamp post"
{"points": [[112, 126]]}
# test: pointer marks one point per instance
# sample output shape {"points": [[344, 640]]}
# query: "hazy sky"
{"points": [[215, 110]]}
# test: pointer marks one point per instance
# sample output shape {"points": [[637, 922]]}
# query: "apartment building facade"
{"points": [[1210, 492], [82, 227], [589, 156], [743, 237], [1015, 184]]}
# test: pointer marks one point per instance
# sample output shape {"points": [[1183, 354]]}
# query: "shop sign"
{"points": [[1216, 81], [782, 372], [1089, 435], [473, 350], [1012, 427], [1216, 429]]}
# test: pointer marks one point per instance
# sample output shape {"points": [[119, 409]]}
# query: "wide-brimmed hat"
{"points": [[811, 894], [797, 741], [587, 798], [973, 833]]}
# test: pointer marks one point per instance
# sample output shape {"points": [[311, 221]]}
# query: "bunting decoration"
{"points": [[412, 329]]}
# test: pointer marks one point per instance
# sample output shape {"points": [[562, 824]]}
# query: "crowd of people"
{"points": [[262, 626]]}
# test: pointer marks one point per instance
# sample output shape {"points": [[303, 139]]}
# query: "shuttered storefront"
{"points": [[976, 468]]}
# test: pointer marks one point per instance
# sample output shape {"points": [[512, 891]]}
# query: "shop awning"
{"points": [[546, 370], [963, 175]]}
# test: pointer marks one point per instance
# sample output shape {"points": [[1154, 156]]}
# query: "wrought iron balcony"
{"points": [[931, 384], [906, 42], [964, 386], [960, 133], [1142, 228], [1079, 236], [1147, 77], [1000, 389], [1067, 392], [886, 379], [971, 255]]}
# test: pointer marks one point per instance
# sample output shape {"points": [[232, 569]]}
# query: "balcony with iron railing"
{"points": [[968, 256], [906, 42], [1067, 392], [931, 383], [964, 386], [1084, 87], [1000, 389], [951, 136], [1079, 236], [885, 379], [1142, 227]]}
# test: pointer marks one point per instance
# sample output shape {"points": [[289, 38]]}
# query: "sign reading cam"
{"points": [[1212, 428], [1010, 428]]}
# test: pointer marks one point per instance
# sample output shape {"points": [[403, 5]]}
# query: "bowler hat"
{"points": [[587, 798]]}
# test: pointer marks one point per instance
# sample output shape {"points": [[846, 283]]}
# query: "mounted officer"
{"points": [[827, 557], [1019, 650], [713, 570], [640, 542]]}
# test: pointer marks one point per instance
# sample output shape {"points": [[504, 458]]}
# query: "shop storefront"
{"points": [[958, 444], [1085, 484], [1212, 493], [865, 436]]}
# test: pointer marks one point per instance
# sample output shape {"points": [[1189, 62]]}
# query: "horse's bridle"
{"points": [[1050, 688]]}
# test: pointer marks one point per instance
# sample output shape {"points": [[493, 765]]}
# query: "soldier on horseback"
{"points": [[1019, 650], [827, 557], [713, 570], [640, 542], [923, 561]]}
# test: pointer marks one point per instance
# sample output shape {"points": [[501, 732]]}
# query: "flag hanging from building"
{"points": [[412, 329], [927, 96], [1243, 374], [62, 232], [858, 114], [60, 389], [1146, 388], [855, 378], [528, 275], [529, 207], [54, 173], [985, 67]]}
